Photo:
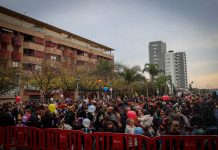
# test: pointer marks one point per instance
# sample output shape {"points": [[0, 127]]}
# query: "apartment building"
{"points": [[170, 68], [157, 49], [181, 71], [27, 41]]}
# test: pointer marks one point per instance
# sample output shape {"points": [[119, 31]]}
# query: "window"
{"points": [[155, 51], [28, 52], [30, 87], [15, 64], [53, 57], [155, 59], [38, 67], [28, 38], [28, 66]]}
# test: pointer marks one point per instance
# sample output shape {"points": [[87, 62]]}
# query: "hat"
{"points": [[24, 119]]}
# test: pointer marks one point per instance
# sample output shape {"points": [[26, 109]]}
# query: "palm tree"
{"points": [[152, 69], [131, 76], [162, 83]]}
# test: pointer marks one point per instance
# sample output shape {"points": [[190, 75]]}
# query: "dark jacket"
{"points": [[6, 119]]}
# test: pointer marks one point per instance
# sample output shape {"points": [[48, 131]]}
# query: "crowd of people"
{"points": [[186, 115]]}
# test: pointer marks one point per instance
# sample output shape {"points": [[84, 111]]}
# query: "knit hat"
{"points": [[24, 119]]}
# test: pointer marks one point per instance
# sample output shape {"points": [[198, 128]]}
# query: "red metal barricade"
{"points": [[23, 137], [185, 142], [2, 136], [119, 141], [58, 139], [63, 139]]}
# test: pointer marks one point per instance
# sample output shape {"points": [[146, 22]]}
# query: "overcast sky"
{"points": [[129, 25]]}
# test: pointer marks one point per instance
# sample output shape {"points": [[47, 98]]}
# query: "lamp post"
{"points": [[77, 88], [17, 92], [147, 91], [111, 89], [99, 85]]}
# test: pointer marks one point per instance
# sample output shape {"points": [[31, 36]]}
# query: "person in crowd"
{"points": [[130, 128], [6, 118], [187, 115]]}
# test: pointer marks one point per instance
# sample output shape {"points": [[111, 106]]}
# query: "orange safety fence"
{"points": [[58, 139]]}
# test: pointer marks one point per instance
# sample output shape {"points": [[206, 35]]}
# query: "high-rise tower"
{"points": [[181, 70], [156, 54], [170, 68]]}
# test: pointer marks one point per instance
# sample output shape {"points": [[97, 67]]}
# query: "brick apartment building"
{"points": [[27, 41]]}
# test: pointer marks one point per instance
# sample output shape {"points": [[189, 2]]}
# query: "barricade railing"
{"points": [[63, 139], [23, 137], [200, 142], [58, 139], [2, 136], [119, 141]]}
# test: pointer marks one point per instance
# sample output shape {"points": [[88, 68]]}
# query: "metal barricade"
{"points": [[2, 137], [185, 142], [58, 139], [119, 141], [22, 137]]}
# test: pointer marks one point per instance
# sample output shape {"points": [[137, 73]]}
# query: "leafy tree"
{"points": [[8, 76], [67, 79], [104, 69], [47, 78]]}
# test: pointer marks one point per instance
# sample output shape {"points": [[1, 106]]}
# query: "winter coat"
{"points": [[6, 119]]}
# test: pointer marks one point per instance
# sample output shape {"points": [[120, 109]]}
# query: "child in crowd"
{"points": [[130, 128]]}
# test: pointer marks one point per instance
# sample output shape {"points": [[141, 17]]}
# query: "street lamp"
{"points": [[99, 85], [111, 89], [17, 92], [77, 87]]}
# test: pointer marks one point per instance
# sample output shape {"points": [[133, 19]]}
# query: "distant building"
{"points": [[27, 41], [170, 68], [169, 63], [157, 49], [181, 71]]}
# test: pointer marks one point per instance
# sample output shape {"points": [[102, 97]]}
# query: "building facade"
{"points": [[170, 68], [157, 49], [27, 41], [170, 64], [181, 71]]}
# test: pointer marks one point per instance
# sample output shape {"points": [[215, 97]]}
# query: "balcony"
{"points": [[31, 92], [93, 60], [16, 56], [53, 51], [72, 55], [31, 45], [66, 53], [5, 38], [82, 58], [16, 41], [38, 40], [32, 60], [39, 54], [5, 53], [50, 44]]}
